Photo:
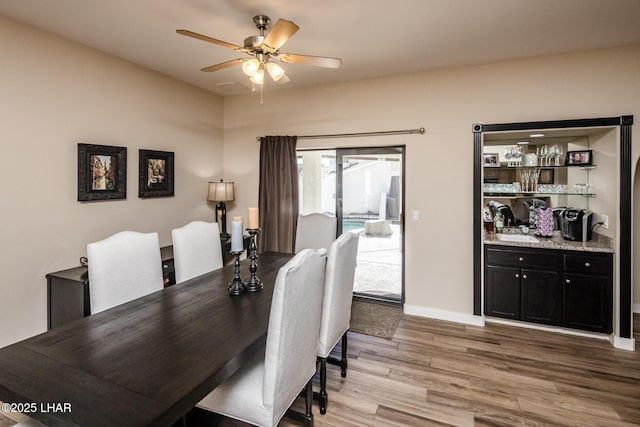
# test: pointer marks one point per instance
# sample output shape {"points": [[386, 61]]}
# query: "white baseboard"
{"points": [[636, 308], [450, 316], [624, 343]]}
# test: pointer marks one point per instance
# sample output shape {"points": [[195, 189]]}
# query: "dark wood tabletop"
{"points": [[147, 362]]}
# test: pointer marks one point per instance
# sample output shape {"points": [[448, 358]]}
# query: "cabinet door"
{"points": [[502, 296], [541, 297], [588, 302]]}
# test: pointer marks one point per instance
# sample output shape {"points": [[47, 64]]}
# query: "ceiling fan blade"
{"points": [[283, 79], [223, 65], [280, 33], [210, 40], [318, 61]]}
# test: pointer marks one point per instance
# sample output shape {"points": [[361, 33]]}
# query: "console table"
{"points": [[68, 290]]}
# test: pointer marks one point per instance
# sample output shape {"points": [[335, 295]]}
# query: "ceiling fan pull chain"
{"points": [[261, 93]]}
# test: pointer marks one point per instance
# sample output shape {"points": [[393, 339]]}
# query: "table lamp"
{"points": [[221, 192]]}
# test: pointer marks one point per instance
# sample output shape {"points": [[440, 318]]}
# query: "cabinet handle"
{"points": [[586, 264], [524, 276], [520, 259], [517, 275], [567, 281]]}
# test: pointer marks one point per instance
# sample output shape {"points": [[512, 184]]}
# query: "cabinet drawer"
{"points": [[588, 263], [525, 259]]}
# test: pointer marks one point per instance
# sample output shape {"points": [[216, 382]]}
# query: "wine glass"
{"points": [[519, 154], [509, 156], [534, 179], [559, 154], [525, 176]]}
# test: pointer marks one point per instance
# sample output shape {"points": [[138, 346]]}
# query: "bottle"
{"points": [[498, 222]]}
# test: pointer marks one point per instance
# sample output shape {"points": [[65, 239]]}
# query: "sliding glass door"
{"points": [[364, 188]]}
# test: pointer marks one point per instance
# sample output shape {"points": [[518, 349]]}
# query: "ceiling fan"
{"points": [[265, 51]]}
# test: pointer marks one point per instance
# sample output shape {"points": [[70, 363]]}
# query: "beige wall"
{"points": [[439, 257], [55, 94]]}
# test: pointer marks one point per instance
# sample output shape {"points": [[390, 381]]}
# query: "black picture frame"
{"points": [[102, 172], [155, 177], [491, 160], [579, 158]]}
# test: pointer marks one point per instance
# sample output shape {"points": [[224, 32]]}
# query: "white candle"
{"points": [[253, 223], [236, 234]]}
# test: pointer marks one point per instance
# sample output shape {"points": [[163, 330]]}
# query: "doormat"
{"points": [[378, 320]]}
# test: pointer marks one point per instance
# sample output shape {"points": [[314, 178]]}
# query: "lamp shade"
{"points": [[258, 77], [275, 71], [251, 66], [220, 192]]}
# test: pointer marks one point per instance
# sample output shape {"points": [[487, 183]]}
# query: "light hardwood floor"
{"points": [[440, 373], [435, 373]]}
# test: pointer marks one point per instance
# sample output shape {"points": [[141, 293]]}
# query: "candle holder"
{"points": [[236, 286], [254, 284]]}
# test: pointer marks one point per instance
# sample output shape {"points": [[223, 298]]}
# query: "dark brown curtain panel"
{"points": [[278, 193]]}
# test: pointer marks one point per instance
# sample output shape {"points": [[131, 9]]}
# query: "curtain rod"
{"points": [[348, 135]]}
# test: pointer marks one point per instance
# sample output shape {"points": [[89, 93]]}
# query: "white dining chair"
{"points": [[196, 249], [264, 388], [315, 231], [336, 307], [123, 267]]}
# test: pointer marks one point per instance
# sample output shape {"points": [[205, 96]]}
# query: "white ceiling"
{"points": [[374, 38]]}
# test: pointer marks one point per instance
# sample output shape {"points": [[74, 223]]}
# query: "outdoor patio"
{"points": [[379, 264]]}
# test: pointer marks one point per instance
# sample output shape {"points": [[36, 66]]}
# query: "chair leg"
{"points": [[321, 397], [308, 401], [306, 418], [343, 361], [323, 386]]}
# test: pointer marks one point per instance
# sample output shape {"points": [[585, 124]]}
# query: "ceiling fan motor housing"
{"points": [[253, 43]]}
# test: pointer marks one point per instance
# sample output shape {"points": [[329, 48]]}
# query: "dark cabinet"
{"points": [[502, 292], [563, 288], [588, 292], [541, 297], [522, 285]]}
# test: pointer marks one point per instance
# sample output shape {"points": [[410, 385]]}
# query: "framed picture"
{"points": [[155, 177], [491, 160], [102, 172], [579, 158]]}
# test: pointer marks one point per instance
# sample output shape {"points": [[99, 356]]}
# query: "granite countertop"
{"points": [[599, 243]]}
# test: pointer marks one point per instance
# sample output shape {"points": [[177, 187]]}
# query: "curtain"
{"points": [[278, 193]]}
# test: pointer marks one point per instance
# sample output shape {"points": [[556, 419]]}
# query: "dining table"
{"points": [[143, 363]]}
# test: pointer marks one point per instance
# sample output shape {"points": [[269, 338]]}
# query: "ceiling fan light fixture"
{"points": [[257, 77], [251, 67], [275, 71]]}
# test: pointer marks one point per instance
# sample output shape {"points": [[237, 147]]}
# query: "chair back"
{"points": [[315, 231], [292, 336], [196, 249], [123, 267], [338, 291]]}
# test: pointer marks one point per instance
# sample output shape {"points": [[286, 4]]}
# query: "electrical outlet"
{"points": [[605, 221], [416, 215]]}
